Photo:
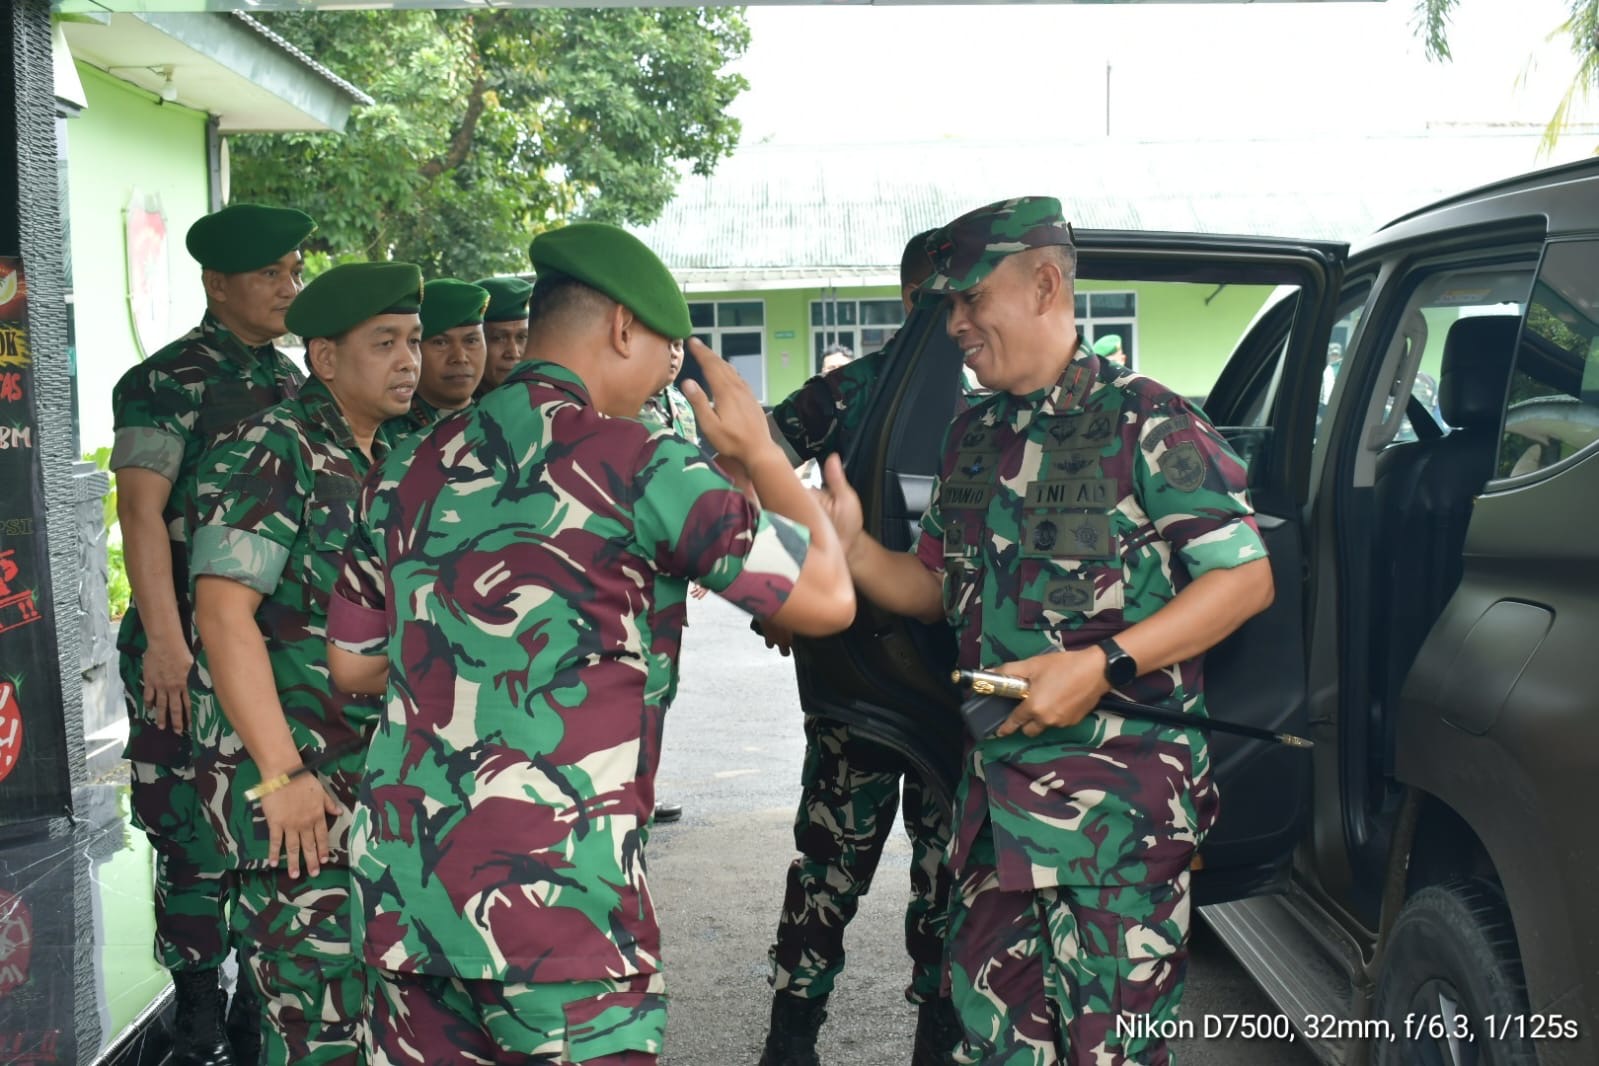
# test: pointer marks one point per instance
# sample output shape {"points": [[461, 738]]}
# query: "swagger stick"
{"points": [[987, 683]]}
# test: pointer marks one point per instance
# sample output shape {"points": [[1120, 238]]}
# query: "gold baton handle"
{"points": [[988, 683]]}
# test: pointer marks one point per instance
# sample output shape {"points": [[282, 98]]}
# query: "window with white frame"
{"points": [[736, 331], [1100, 314], [860, 325]]}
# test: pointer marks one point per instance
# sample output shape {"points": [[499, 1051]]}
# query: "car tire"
{"points": [[1450, 964]]}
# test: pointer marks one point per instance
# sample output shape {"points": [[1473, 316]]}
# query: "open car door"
{"points": [[888, 676]]}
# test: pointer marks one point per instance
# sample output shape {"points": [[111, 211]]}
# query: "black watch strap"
{"points": [[1120, 668]]}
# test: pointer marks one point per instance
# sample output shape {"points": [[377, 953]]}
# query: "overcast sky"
{"points": [[888, 73]]}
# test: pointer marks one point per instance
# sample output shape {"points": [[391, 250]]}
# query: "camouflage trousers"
{"points": [[422, 1020], [311, 983], [192, 882], [1074, 974], [850, 794]]}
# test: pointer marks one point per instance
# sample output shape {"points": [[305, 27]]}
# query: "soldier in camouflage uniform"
{"points": [[670, 409], [850, 788], [517, 582], [275, 505], [504, 328], [452, 352], [168, 410], [1089, 531]]}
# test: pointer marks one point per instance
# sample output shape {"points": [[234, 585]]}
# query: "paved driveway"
{"points": [[732, 758]]}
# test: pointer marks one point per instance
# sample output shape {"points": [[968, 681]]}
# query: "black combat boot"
{"points": [[197, 1037], [245, 1021], [792, 1039], [938, 1034]]}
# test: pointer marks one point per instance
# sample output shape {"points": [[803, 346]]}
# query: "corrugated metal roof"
{"points": [[785, 210], [283, 43]]}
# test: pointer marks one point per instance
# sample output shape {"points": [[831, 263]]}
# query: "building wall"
{"points": [[121, 143], [1178, 337], [1182, 341]]}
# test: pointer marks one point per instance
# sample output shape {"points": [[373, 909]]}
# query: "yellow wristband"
{"points": [[272, 784]]}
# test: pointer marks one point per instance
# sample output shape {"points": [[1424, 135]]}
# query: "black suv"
{"points": [[1419, 415]]}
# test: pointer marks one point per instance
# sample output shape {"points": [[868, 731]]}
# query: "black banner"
{"points": [[34, 778], [39, 951]]}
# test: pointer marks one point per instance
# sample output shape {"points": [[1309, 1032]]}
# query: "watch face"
{"points": [[1119, 666]]}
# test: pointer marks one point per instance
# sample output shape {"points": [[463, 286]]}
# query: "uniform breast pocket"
{"points": [[963, 538], [228, 403], [219, 418], [329, 516], [1070, 571]]}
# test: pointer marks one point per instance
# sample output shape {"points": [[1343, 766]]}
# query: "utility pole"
{"points": [[1107, 98]]}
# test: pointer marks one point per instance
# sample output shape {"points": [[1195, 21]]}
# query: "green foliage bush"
{"points": [[119, 592]]}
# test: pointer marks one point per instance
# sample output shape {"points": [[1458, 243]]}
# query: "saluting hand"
{"points": [[736, 426], [1065, 687], [297, 823]]}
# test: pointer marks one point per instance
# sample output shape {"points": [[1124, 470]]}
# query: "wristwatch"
{"points": [[1120, 668]]}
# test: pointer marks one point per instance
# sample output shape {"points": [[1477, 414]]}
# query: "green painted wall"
{"points": [[1179, 338], [126, 915], [1183, 342], [123, 141]]}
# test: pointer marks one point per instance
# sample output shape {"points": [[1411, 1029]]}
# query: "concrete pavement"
{"points": [[732, 758]]}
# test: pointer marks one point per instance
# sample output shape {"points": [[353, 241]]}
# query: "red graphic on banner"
{"points": [[11, 387], [17, 609], [10, 729], [16, 942]]}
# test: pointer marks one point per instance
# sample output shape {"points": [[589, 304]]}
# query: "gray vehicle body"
{"points": [[1456, 745]]}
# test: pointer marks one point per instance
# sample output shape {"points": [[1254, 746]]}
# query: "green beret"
{"points": [[348, 295], [244, 237], [1110, 342], [451, 302], [507, 298], [618, 264]]}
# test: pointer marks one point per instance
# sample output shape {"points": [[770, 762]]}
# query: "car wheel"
{"points": [[1451, 990]]}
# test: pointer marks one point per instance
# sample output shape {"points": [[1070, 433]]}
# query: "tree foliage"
{"points": [[490, 126], [1432, 22]]}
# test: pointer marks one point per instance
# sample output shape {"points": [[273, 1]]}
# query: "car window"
{"points": [[1350, 307], [1438, 301], [1552, 408]]}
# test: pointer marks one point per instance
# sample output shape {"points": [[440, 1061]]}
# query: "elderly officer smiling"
{"points": [[1090, 532]]}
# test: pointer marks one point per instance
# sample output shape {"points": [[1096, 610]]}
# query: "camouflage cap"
{"points": [[451, 302], [1109, 343], [350, 294], [615, 262], [244, 237], [967, 250], [507, 298]]}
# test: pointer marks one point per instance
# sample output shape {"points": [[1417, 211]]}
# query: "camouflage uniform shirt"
{"points": [[274, 508], [171, 408], [422, 417], [512, 565], [1060, 519], [670, 409], [824, 415]]}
